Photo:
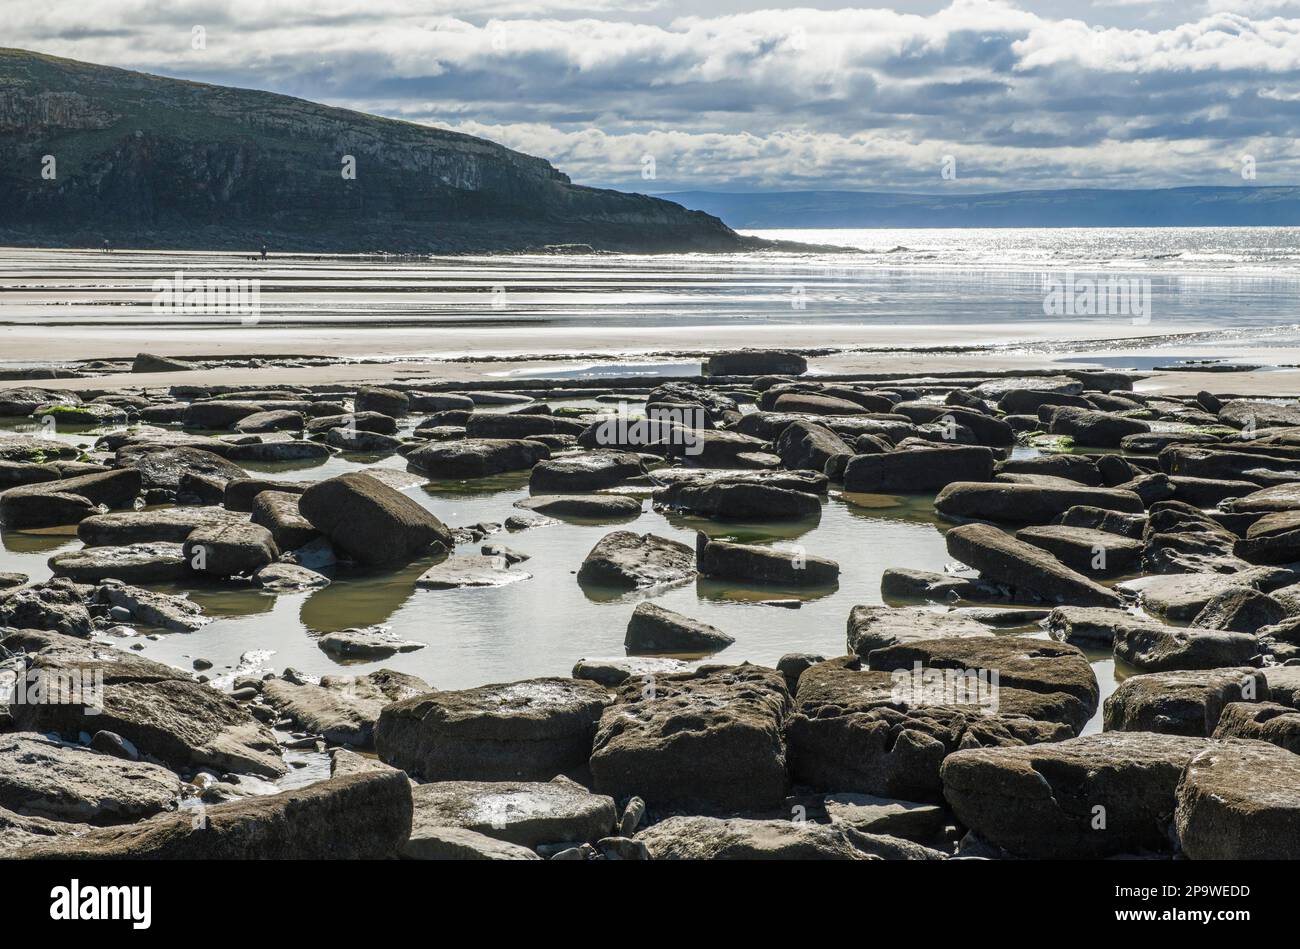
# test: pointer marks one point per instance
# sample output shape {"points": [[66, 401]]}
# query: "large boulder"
{"points": [[1240, 800], [1186, 702], [873, 627], [628, 560], [1261, 721], [477, 457], [1027, 503], [708, 741], [582, 473], [277, 511], [807, 445], [755, 362], [168, 469], [1004, 559], [68, 500], [653, 630], [229, 550], [764, 566], [371, 522], [918, 470], [517, 731], [342, 709], [388, 402], [1095, 796], [1091, 429], [1150, 647], [134, 563], [167, 525], [1093, 553], [527, 813], [739, 500], [363, 816], [62, 781], [887, 733], [168, 716]]}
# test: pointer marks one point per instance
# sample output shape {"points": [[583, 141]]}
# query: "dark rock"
{"points": [[371, 522], [653, 630], [1000, 557], [627, 560], [1183, 702]]}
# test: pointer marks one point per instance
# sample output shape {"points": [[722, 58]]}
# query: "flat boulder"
{"points": [[1240, 800], [873, 627], [738, 838], [1004, 559], [68, 500], [765, 566], [229, 550], [709, 741], [755, 362], [1186, 702], [1043, 800], [578, 474], [342, 709], [918, 470], [363, 816], [69, 782], [594, 507], [1091, 429], [132, 563], [374, 642], [739, 501], [1093, 553], [371, 522], [1261, 721], [470, 570], [627, 560], [1027, 503], [526, 813], [477, 457], [530, 730], [1155, 648], [807, 445], [167, 525]]}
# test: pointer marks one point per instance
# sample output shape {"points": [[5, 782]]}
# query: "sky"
{"points": [[662, 95]]}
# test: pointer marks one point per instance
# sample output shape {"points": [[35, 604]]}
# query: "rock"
{"points": [[632, 815], [1096, 518], [167, 715], [521, 425], [154, 609], [1032, 665], [530, 730], [712, 838], [739, 501], [622, 848], [1180, 597], [229, 550], [627, 560], [615, 671], [52, 779], [709, 741], [1240, 801], [1092, 627], [167, 525], [358, 817], [1281, 497], [1183, 702], [882, 815], [1242, 412], [654, 630], [1092, 553], [792, 665], [355, 440], [527, 813], [1095, 796], [873, 627], [1091, 429], [16, 473], [1284, 684], [167, 469], [477, 457], [277, 511], [811, 403], [289, 578], [371, 522], [1154, 648], [239, 493], [755, 362], [873, 732], [595, 507], [1029, 401], [111, 743], [1272, 539], [470, 570], [1004, 559], [384, 401], [918, 470], [1027, 503], [376, 422], [148, 362], [751, 563], [134, 563], [809, 445], [583, 473], [342, 709], [456, 843], [987, 430], [370, 643], [46, 608], [1261, 721], [1240, 610], [68, 500], [272, 421]]}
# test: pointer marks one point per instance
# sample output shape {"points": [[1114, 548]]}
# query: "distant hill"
{"points": [[1076, 207], [145, 161]]}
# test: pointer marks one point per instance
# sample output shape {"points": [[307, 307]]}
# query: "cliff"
{"points": [[145, 161]]}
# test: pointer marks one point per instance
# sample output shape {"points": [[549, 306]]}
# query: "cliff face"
{"points": [[145, 161]]}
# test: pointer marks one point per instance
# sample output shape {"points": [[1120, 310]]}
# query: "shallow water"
{"points": [[541, 626]]}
